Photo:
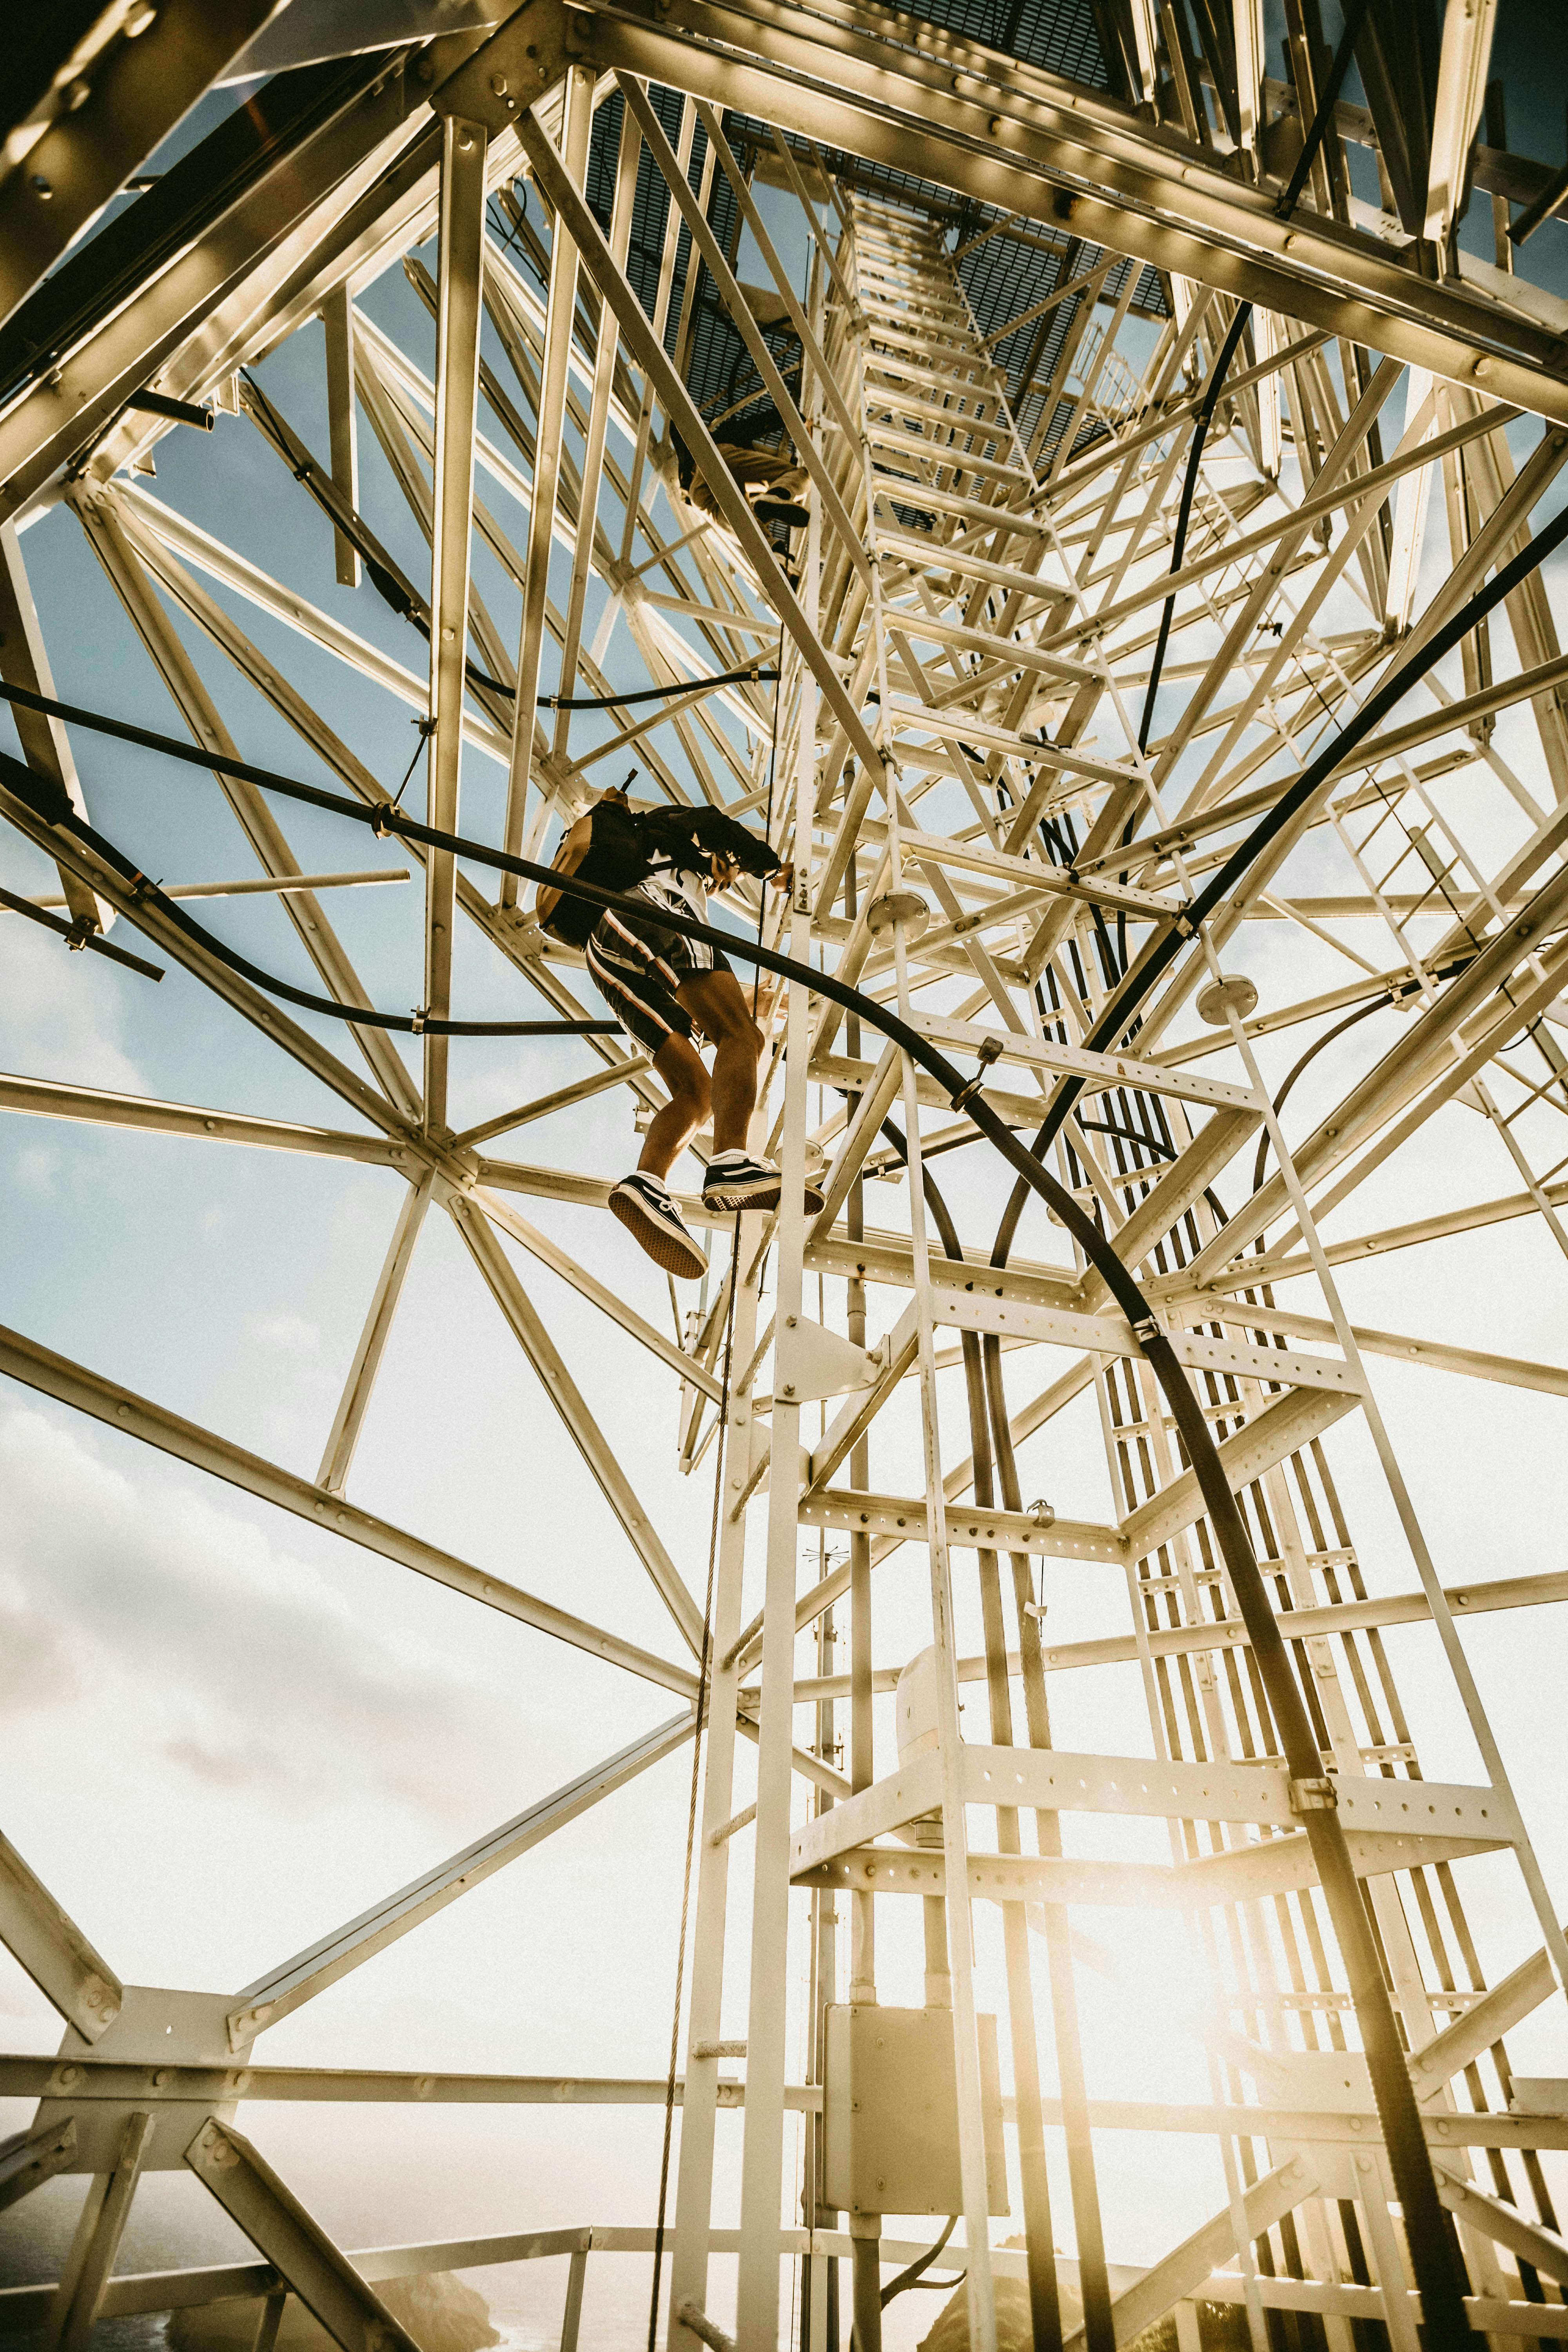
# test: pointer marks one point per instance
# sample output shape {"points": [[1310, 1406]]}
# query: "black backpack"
{"points": [[627, 846], [616, 860]]}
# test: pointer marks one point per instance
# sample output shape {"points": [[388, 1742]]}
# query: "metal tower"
{"points": [[1100, 650]]}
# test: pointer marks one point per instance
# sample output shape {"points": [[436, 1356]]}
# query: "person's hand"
{"points": [[782, 877]]}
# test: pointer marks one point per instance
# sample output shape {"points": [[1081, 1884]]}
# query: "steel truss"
{"points": [[988, 833]]}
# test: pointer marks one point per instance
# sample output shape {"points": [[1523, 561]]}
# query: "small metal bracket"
{"points": [[1222, 997], [991, 1051], [1317, 1795], [906, 906], [822, 1364]]}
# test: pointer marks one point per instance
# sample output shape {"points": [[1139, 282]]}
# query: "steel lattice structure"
{"points": [[1003, 777]]}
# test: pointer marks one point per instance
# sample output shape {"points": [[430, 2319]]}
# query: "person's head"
{"points": [[724, 871]]}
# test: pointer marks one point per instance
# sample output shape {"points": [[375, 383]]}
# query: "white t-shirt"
{"points": [[683, 890]]}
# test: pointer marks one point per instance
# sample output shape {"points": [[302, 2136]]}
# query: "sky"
{"points": [[224, 1730]]}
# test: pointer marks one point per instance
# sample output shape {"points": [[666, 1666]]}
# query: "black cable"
{"points": [[1116, 1019], [76, 935], [1373, 1004], [922, 2263], [750, 675], [1184, 512], [362, 1016], [1325, 107], [394, 588], [1445, 2319]]}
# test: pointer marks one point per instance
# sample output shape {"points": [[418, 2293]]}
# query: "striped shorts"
{"points": [[637, 966]]}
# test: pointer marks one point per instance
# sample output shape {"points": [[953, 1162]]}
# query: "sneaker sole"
{"points": [[763, 1192], [683, 1259]]}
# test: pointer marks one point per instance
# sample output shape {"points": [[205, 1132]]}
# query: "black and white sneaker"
{"points": [[643, 1204], [736, 1180]]}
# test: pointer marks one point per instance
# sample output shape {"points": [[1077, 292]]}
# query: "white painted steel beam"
{"points": [[464, 147], [285, 1989], [52, 1948], [120, 1408]]}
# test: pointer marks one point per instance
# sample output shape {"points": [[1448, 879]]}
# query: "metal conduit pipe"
{"points": [[1443, 2308]]}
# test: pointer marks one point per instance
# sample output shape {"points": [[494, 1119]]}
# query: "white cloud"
{"points": [[63, 1012], [35, 1170], [291, 1334], [221, 1655]]}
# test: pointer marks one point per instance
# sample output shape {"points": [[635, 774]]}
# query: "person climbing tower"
{"points": [[666, 990]]}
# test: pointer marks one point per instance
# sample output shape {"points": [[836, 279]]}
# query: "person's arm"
{"points": [[725, 837], [567, 859]]}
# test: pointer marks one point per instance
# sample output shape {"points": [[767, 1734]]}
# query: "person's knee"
{"points": [[693, 1089], [681, 1069], [740, 1029], [742, 1038]]}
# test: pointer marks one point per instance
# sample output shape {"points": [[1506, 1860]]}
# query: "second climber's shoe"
{"points": [[736, 1180], [643, 1203]]}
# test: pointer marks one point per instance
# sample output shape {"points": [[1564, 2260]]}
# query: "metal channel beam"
{"points": [[296, 1981], [294, 2242], [54, 1951], [120, 1408], [464, 149]]}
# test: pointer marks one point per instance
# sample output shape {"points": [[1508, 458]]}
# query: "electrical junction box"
{"points": [[890, 2112]]}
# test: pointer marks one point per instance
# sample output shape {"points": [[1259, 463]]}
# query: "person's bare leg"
{"points": [[717, 1002], [670, 1129]]}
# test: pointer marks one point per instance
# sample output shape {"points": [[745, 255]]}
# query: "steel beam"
{"points": [[349, 1419], [464, 147], [53, 1949], [45, 746], [285, 1989], [673, 397], [585, 1432], [120, 1408], [29, 2158], [337, 324], [100, 2228], [95, 334], [558, 330], [1053, 141], [113, 96], [294, 2242]]}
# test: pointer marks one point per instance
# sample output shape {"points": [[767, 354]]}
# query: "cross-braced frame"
{"points": [[1104, 555]]}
